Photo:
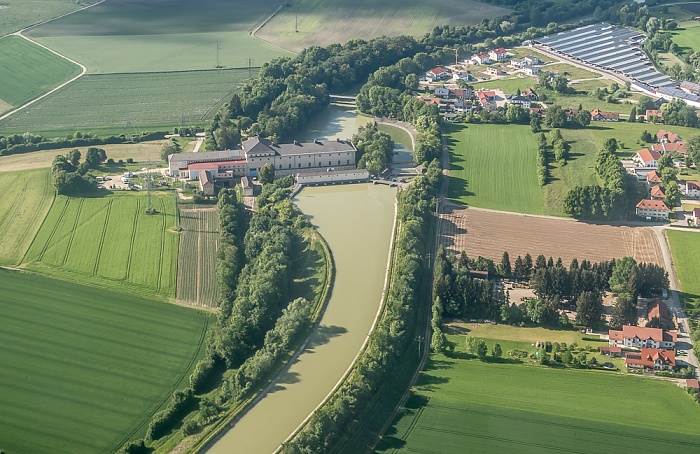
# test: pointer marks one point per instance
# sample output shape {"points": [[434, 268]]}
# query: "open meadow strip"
{"points": [[505, 407], [685, 248], [88, 371], [114, 257], [494, 166], [489, 234], [84, 249], [28, 71], [27, 198]]}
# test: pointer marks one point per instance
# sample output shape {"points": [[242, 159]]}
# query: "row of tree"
{"points": [[22, 143]]}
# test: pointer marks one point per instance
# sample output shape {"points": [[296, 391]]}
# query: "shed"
{"points": [[206, 183], [247, 187]]}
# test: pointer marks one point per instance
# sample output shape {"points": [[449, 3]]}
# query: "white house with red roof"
{"points": [[437, 73], [487, 99], [654, 116], [669, 147], [651, 359], [692, 189], [667, 136], [653, 209], [641, 337], [656, 193], [647, 158], [599, 115], [498, 54], [653, 179], [481, 59]]}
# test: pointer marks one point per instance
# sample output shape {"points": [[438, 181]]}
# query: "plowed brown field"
{"points": [[488, 234]]}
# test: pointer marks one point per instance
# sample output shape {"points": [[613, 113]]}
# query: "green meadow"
{"points": [[18, 14], [84, 368], [110, 241], [28, 71], [685, 248]]}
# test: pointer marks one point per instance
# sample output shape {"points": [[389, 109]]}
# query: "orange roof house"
{"points": [[651, 358], [667, 136], [653, 177], [656, 193]]}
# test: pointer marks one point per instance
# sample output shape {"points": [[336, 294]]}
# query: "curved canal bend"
{"points": [[356, 222]]}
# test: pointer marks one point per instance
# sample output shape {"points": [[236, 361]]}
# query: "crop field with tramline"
{"points": [[109, 241], [26, 199], [506, 407], [196, 269], [84, 368]]}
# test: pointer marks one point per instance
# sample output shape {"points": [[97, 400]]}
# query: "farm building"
{"points": [[599, 115], [651, 359], [256, 152], [206, 182], [653, 209], [639, 337], [614, 352], [248, 190], [692, 189]]}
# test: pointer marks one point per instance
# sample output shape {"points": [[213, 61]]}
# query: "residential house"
{"points": [[460, 94], [653, 179], [599, 115], [462, 107], [657, 309], [531, 70], [640, 337], [651, 359], [656, 193], [493, 71], [531, 60], [480, 59], [516, 63], [613, 352], [498, 54], [692, 189], [487, 99], [522, 100], [466, 76], [669, 147], [647, 158], [530, 93], [653, 209], [441, 92], [654, 116], [436, 74], [538, 111], [667, 136]]}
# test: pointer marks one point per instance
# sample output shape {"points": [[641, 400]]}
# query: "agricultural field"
{"points": [[685, 248], [85, 368], [130, 102], [162, 35], [478, 152], [26, 199], [196, 269], [571, 71], [335, 21], [18, 14], [505, 406], [139, 152], [28, 71], [489, 234], [110, 241]]}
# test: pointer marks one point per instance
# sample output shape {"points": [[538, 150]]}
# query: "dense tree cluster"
{"points": [[375, 148], [600, 202], [390, 338], [70, 176]]}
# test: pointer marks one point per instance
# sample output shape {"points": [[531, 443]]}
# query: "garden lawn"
{"points": [[685, 248], [572, 72], [28, 71], [687, 38], [26, 199], [494, 166], [110, 241], [130, 103], [18, 14], [312, 22], [162, 35], [85, 368], [506, 407]]}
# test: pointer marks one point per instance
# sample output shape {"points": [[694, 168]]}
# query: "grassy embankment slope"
{"points": [[26, 199], [504, 406], [84, 368], [331, 21], [28, 71], [110, 242], [128, 36], [685, 247]]}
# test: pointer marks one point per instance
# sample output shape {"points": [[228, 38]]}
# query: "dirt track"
{"points": [[489, 233]]}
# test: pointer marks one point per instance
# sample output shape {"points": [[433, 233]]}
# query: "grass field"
{"points": [[494, 166], [27, 71], [162, 35], [506, 407], [84, 368], [685, 247], [18, 14], [688, 38], [323, 22], [140, 152], [196, 263], [571, 71], [142, 101], [110, 241], [26, 199]]}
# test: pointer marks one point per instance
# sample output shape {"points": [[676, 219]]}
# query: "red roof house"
{"points": [[641, 337], [653, 177], [651, 358], [599, 115], [656, 193], [667, 136], [647, 158]]}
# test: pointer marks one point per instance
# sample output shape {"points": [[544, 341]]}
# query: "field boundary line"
{"points": [[254, 32], [102, 238], [72, 233], [51, 20], [133, 238], [176, 71], [162, 244], [53, 231], [53, 199], [83, 70], [15, 203]]}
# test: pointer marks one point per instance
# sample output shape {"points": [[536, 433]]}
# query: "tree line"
{"points": [[26, 142], [375, 148], [70, 175]]}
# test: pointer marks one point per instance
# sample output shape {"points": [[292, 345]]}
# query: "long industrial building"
{"points": [[609, 47], [291, 158]]}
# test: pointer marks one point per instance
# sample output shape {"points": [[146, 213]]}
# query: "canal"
{"points": [[356, 222]]}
